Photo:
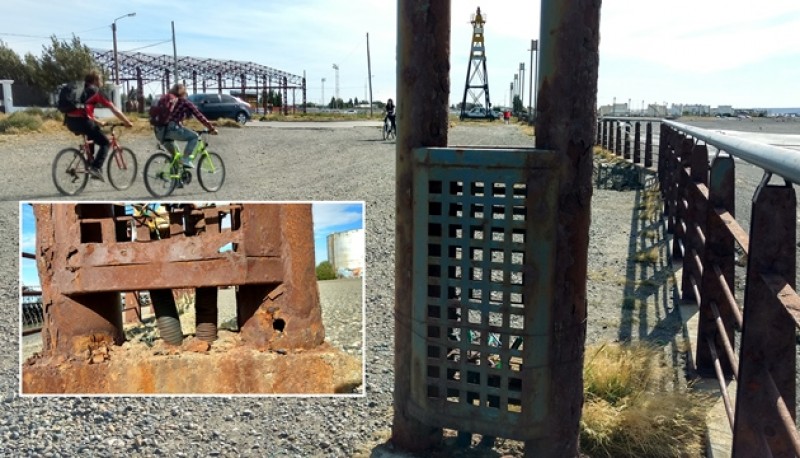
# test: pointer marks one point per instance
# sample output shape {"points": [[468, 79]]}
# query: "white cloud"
{"points": [[328, 216]]}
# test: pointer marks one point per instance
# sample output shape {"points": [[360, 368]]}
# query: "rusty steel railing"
{"points": [[699, 208], [629, 137]]}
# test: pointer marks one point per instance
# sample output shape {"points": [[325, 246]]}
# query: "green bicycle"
{"points": [[164, 172]]}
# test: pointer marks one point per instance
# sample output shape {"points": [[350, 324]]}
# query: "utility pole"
{"points": [[336, 100], [369, 75], [174, 52], [522, 84], [323, 92], [534, 46], [114, 34]]}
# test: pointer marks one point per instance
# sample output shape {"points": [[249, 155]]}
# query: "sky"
{"points": [[714, 52], [328, 217]]}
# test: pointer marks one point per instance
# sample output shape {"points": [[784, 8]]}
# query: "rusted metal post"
{"points": [[627, 147], [618, 139], [719, 252], [683, 151], [285, 315], [637, 147], [565, 118], [285, 101], [648, 145], [599, 133], [423, 44], [605, 134], [72, 321], [768, 335], [695, 182]]}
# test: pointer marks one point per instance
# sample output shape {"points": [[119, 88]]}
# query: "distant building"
{"points": [[656, 111], [723, 110], [617, 109], [346, 252]]}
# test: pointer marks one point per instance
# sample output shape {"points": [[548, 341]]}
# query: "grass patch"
{"points": [[20, 122], [606, 155], [650, 255], [650, 234], [651, 205], [629, 413]]}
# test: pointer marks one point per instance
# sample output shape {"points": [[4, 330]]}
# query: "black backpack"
{"points": [[69, 97], [160, 111]]}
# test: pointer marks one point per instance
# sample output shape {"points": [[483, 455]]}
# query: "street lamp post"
{"points": [[114, 33], [534, 47], [323, 91], [336, 68]]}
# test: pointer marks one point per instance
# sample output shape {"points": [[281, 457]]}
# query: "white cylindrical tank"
{"points": [[346, 251]]}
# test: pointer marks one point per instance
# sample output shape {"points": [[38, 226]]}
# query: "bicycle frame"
{"points": [[200, 151], [86, 147]]}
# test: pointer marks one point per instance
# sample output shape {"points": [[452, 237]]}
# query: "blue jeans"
{"points": [[178, 132]]}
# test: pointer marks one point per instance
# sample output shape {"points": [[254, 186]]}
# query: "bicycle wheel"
{"points": [[69, 172], [385, 130], [392, 133], [122, 168], [158, 175], [211, 172]]}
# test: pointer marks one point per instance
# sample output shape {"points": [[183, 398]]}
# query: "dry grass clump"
{"points": [[628, 411], [650, 255], [19, 122], [650, 206], [606, 155]]}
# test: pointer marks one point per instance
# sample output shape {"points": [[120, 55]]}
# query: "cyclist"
{"points": [[390, 114], [182, 109], [81, 121]]}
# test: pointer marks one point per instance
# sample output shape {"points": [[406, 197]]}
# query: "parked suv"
{"points": [[481, 113], [215, 106]]}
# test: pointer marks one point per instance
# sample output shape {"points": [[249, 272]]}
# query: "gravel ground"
{"points": [[627, 300]]}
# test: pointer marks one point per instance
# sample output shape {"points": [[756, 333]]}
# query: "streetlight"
{"points": [[534, 47], [114, 32], [336, 67]]}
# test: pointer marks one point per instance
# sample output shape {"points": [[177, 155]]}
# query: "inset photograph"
{"points": [[176, 298]]}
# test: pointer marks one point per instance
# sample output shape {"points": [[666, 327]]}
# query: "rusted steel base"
{"points": [[238, 370]]}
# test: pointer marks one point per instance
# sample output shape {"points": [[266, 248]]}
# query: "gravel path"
{"points": [[627, 300]]}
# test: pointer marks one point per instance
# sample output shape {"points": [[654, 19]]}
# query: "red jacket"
{"points": [[91, 97]]}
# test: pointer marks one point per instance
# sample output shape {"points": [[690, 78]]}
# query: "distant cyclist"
{"points": [[182, 109], [81, 121], [390, 114]]}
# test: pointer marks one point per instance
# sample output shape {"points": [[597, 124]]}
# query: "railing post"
{"points": [[693, 204], [598, 132], [681, 161], [719, 253], [605, 134], [768, 335], [627, 147], [618, 138], [637, 149], [610, 136], [666, 173], [648, 145]]}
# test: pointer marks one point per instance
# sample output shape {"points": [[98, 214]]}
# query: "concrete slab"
{"points": [[226, 368], [719, 439]]}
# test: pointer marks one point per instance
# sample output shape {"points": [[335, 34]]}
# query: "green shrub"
{"points": [[20, 121], [325, 271]]}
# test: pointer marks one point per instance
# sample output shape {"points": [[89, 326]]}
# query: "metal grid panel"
{"points": [[484, 248]]}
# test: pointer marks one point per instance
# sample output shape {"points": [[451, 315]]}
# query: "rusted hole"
{"points": [[278, 325]]}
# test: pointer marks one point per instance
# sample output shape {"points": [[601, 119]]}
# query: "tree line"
{"points": [[60, 61]]}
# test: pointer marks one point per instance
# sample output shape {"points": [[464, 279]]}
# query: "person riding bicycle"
{"points": [[183, 108], [390, 114], [81, 121]]}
